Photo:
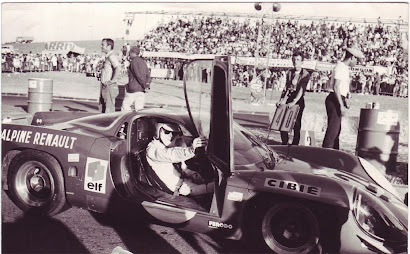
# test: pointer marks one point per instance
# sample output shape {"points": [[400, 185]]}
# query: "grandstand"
{"points": [[273, 38], [325, 36]]}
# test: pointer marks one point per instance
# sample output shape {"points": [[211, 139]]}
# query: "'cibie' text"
{"points": [[292, 186]]}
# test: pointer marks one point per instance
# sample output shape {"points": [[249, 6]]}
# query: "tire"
{"points": [[290, 228], [36, 183]]}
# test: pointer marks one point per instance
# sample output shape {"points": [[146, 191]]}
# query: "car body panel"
{"points": [[172, 215], [70, 149], [303, 186]]}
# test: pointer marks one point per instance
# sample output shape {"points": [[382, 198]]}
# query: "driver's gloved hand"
{"points": [[199, 142], [184, 190]]}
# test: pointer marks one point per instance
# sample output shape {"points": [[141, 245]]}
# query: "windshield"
{"points": [[249, 150]]}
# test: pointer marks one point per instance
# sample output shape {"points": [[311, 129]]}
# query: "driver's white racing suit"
{"points": [[161, 159]]}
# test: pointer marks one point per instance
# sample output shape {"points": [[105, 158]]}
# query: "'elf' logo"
{"points": [[95, 175]]}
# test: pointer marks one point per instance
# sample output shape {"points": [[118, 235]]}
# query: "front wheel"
{"points": [[290, 228], [36, 183]]}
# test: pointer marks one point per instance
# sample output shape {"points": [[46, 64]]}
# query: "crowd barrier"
{"points": [[261, 61], [162, 73]]}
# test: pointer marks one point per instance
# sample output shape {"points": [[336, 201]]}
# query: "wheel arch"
{"points": [[9, 157], [330, 217], [56, 202], [267, 199]]}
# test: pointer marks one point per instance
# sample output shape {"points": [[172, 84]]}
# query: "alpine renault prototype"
{"points": [[293, 199]]}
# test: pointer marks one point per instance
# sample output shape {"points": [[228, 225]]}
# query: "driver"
{"points": [[167, 149]]}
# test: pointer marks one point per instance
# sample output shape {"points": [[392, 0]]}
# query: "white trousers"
{"points": [[137, 98]]}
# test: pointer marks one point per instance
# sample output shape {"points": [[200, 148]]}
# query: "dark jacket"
{"points": [[139, 77], [303, 80]]}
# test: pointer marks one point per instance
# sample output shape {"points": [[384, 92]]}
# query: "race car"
{"points": [[292, 199]]}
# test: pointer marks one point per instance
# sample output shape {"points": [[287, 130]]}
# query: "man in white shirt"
{"points": [[167, 149], [336, 105]]}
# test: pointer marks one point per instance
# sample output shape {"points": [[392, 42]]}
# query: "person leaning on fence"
{"points": [[294, 92], [139, 79], [109, 75], [336, 105]]}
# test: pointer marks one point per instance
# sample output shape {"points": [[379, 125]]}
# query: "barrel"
{"points": [[378, 138], [40, 95]]}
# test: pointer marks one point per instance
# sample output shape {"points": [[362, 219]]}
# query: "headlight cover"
{"points": [[378, 177], [376, 219]]}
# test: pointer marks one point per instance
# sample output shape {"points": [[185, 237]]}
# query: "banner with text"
{"points": [[261, 62], [63, 47]]}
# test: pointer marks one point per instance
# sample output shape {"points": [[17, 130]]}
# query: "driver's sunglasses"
{"points": [[174, 133]]}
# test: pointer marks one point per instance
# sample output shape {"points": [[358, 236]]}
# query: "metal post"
{"points": [[267, 61], [258, 41], [129, 19]]}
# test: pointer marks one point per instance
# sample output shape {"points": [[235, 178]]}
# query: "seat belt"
{"points": [[181, 179], [150, 174]]}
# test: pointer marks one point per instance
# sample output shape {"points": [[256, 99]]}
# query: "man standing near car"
{"points": [[109, 76], [294, 92], [336, 105], [139, 79]]}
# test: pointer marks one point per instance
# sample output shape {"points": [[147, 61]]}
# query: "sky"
{"points": [[72, 21]]}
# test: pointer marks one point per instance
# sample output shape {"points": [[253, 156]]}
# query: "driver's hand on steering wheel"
{"points": [[199, 142]]}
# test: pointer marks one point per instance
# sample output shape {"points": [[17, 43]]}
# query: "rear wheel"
{"points": [[290, 228], [36, 183]]}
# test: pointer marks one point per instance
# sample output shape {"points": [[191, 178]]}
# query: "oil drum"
{"points": [[40, 95], [378, 138]]}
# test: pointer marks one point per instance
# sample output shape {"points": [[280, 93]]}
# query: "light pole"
{"points": [[275, 8], [129, 19]]}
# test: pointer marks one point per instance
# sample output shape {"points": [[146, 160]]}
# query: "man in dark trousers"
{"points": [[294, 92], [139, 79], [336, 105]]}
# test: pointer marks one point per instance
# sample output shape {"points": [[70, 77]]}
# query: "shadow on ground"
{"points": [[34, 234]]}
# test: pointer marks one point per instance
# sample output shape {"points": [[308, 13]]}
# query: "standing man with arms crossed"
{"points": [[109, 75], [295, 88], [138, 81], [336, 105]]}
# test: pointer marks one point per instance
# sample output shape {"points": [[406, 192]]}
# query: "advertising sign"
{"points": [[59, 47]]}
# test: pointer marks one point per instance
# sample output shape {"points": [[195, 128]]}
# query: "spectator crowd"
{"points": [[319, 40], [322, 41], [37, 62]]}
